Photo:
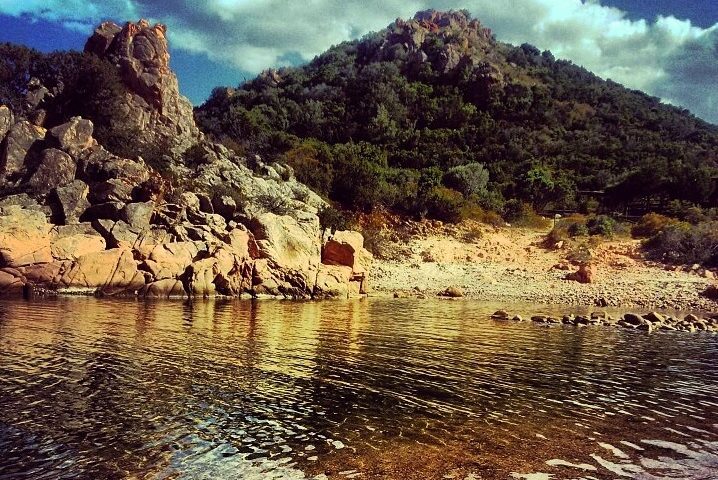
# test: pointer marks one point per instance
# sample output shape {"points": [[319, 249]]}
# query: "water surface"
{"points": [[377, 388]]}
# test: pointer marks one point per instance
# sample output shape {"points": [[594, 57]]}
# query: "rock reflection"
{"points": [[246, 389]]}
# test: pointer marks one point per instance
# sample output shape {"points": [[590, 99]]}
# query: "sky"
{"points": [[667, 48]]}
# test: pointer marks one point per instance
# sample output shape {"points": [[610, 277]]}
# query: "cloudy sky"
{"points": [[668, 48]]}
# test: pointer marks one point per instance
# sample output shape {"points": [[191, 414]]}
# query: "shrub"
{"points": [[601, 225], [683, 243], [472, 211], [522, 214], [332, 219], [445, 204], [470, 179], [651, 225]]}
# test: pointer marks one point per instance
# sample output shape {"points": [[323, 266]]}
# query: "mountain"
{"points": [[433, 116]]}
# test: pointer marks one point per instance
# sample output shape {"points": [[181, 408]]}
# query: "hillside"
{"points": [[433, 116]]}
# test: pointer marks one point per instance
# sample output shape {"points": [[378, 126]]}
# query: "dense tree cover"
{"points": [[78, 84], [366, 124]]}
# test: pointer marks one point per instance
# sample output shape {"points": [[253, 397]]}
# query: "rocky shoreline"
{"points": [[649, 322]]}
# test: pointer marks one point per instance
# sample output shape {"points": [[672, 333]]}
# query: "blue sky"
{"points": [[668, 48]]}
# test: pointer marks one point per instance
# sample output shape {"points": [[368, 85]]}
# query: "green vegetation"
{"points": [[371, 123], [78, 84]]}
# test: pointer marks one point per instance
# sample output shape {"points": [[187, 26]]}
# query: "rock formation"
{"points": [[154, 105], [76, 218]]}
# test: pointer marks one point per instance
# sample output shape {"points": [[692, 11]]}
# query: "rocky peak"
{"points": [[141, 52], [461, 39]]}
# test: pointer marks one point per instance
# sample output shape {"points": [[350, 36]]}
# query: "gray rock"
{"points": [[109, 211], [56, 169], [72, 201], [112, 190], [225, 206], [23, 146], [190, 201], [632, 319], [63, 231], [654, 317], [75, 135], [117, 234], [138, 215]]}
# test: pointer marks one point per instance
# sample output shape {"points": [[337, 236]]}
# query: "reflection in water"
{"points": [[394, 389]]}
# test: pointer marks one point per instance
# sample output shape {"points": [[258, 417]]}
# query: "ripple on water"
{"points": [[97, 389]]}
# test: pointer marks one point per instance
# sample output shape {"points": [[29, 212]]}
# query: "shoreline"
{"points": [[510, 265]]}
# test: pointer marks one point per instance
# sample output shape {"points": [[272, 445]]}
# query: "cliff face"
{"points": [[154, 103], [75, 217]]}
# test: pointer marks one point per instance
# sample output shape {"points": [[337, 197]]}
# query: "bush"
{"points": [[651, 225], [522, 214], [470, 179], [445, 204], [601, 225], [683, 243], [332, 219]]}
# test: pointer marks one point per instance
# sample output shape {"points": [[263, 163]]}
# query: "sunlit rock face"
{"points": [[154, 104]]}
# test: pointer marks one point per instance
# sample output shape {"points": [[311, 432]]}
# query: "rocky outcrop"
{"points": [[82, 219], [154, 106]]}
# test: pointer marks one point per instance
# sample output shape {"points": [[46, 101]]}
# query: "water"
{"points": [[98, 389]]}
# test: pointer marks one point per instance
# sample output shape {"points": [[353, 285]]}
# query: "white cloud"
{"points": [[666, 57]]}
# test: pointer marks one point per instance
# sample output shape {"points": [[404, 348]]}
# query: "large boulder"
{"points": [[138, 215], [347, 248], [23, 145], [112, 190], [584, 274], [72, 201], [56, 169], [75, 135], [110, 272], [167, 288], [11, 282], [333, 281], [24, 237], [289, 242]]}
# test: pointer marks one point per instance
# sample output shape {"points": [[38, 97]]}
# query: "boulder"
{"points": [[347, 248], [24, 237], [75, 135], [171, 260], [632, 319], [11, 283], [6, 121], [333, 281], [22, 200], [74, 246], [190, 201], [22, 148], [107, 211], [44, 274], [110, 272], [138, 215], [655, 317], [585, 274], [452, 292], [72, 201], [112, 190], [56, 169], [500, 315], [224, 205], [288, 242]]}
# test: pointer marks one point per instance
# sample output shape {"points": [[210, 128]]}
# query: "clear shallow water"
{"points": [[350, 389]]}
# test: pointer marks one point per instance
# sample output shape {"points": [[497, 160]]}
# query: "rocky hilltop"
{"points": [[75, 217]]}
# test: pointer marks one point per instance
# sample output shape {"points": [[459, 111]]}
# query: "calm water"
{"points": [[93, 389]]}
